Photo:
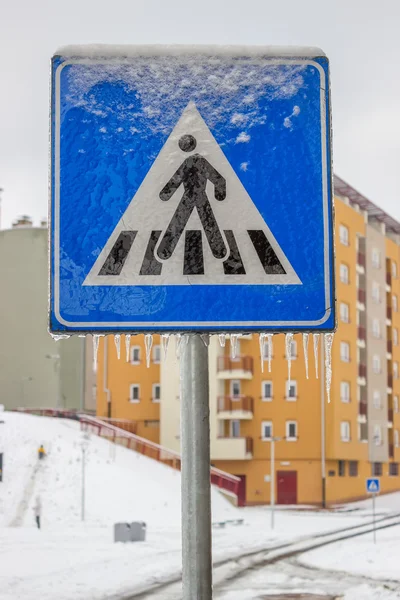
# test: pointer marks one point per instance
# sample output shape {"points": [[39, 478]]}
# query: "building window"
{"points": [[291, 390], [376, 363], [266, 391], [293, 350], [394, 269], [377, 435], [394, 302], [266, 430], [344, 273], [341, 468], [396, 404], [235, 388], [395, 335], [376, 258], [345, 391], [235, 428], [345, 431], [344, 351], [376, 469], [353, 468], [376, 328], [395, 370], [156, 392], [344, 312], [394, 469], [157, 354], [135, 393], [396, 438], [377, 399], [376, 292], [344, 235], [291, 431], [135, 355], [266, 351]]}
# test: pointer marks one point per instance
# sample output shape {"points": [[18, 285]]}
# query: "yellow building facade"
{"points": [[324, 451]]}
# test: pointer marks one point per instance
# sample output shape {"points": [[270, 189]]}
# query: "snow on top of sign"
{"points": [[127, 51]]}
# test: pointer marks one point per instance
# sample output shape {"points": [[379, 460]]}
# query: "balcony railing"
{"points": [[362, 335], [232, 403], [390, 381], [389, 312], [361, 259], [241, 363], [362, 370], [363, 409], [361, 295], [390, 346], [249, 445]]}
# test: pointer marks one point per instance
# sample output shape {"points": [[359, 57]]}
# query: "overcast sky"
{"points": [[361, 38]]}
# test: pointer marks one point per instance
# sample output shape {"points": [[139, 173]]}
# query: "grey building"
{"points": [[36, 371]]}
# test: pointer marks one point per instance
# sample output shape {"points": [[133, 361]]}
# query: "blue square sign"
{"points": [[373, 485], [191, 190]]}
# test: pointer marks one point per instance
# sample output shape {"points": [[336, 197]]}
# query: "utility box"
{"points": [[130, 532]]}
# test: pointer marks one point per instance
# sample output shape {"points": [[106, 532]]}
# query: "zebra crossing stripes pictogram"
{"points": [[191, 222]]}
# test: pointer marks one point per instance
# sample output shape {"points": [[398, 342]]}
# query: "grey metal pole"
{"points": [[195, 450], [323, 449], [272, 483], [83, 483], [373, 516]]}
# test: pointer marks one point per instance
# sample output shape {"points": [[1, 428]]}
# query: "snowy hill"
{"points": [[120, 484]]}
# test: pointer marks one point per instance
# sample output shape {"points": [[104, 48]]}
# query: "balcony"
{"points": [[390, 381], [362, 334], [362, 371], [232, 448], [361, 259], [388, 278], [235, 368], [361, 296], [390, 415], [391, 450], [389, 313], [235, 407], [363, 409], [390, 346]]}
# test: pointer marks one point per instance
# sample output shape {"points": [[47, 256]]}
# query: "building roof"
{"points": [[344, 189]]}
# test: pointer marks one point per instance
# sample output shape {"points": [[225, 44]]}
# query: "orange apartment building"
{"points": [[325, 450]]}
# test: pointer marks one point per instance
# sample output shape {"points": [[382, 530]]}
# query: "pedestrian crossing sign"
{"points": [[373, 485], [191, 190]]}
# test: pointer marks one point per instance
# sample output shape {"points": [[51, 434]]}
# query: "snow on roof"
{"points": [[97, 51]]}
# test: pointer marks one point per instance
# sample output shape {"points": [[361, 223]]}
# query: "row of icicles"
{"points": [[265, 341]]}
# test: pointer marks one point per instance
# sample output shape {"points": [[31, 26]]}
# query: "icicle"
{"points": [[270, 350], [315, 343], [328, 339], [234, 343], [178, 340], [261, 341], [288, 347], [164, 343], [222, 339], [148, 342], [117, 341], [206, 339], [96, 340], [56, 338], [305, 350], [127, 345]]}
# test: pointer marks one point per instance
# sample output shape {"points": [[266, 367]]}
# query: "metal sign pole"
{"points": [[373, 516], [196, 491], [272, 483]]}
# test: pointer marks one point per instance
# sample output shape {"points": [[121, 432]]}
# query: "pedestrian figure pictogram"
{"points": [[193, 174]]}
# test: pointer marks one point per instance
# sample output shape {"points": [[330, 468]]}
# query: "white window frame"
{"points": [[344, 235], [344, 273], [345, 431], [263, 397], [376, 364], [232, 385], [293, 350], [395, 404], [376, 292], [377, 435], [131, 388], [345, 354], [377, 399], [267, 424], [395, 370], [376, 328], [394, 269], [133, 348], [290, 384], [290, 438], [396, 438], [231, 428], [394, 303], [157, 354], [345, 397], [344, 312], [395, 336], [153, 396], [376, 258]]}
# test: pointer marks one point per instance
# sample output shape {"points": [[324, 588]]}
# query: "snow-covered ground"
{"points": [[68, 559]]}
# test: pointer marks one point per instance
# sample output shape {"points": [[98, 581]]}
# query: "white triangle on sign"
{"points": [[373, 487], [130, 255]]}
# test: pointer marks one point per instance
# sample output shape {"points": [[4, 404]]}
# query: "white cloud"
{"points": [[242, 138]]}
